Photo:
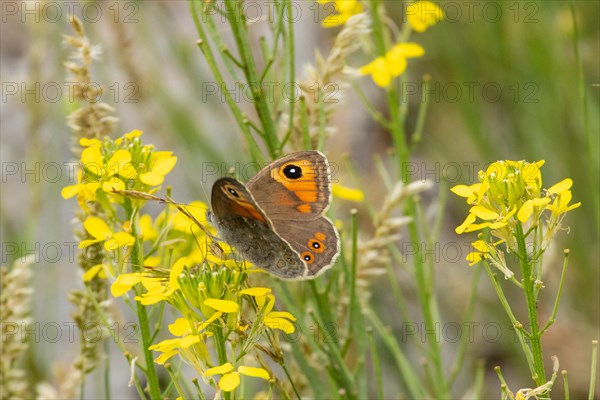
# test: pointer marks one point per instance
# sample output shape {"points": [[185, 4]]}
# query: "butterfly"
{"points": [[276, 220]]}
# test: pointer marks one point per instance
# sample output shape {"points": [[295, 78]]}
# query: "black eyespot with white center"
{"points": [[307, 258], [316, 245], [233, 192], [292, 171]]}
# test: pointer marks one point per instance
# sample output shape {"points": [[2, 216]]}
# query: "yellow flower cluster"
{"points": [[215, 292], [122, 164], [510, 195]]}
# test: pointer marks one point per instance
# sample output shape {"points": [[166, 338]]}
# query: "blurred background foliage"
{"points": [[515, 80]]}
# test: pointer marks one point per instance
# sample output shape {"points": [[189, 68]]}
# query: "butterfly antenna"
{"points": [[134, 194]]}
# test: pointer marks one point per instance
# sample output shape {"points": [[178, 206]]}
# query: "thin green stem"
{"points": [[407, 371], [516, 324], [136, 261], [565, 383], [593, 369], [292, 61], [343, 375], [376, 365], [352, 276], [210, 59], [237, 21], [106, 371], [552, 318], [539, 374], [462, 347], [175, 380]]}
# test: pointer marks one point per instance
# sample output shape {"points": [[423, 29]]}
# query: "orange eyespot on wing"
{"points": [[320, 236], [307, 257], [316, 246], [299, 178]]}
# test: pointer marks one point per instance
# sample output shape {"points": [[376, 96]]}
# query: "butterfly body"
{"points": [[276, 221]]}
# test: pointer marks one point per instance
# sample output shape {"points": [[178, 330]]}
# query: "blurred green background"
{"points": [[509, 80]]}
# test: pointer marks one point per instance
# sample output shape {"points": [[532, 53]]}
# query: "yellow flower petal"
{"points": [[229, 382], [86, 243], [254, 372], [97, 228], [133, 134], [91, 158], [113, 183], [281, 314], [189, 340], [70, 191], [408, 50], [180, 327], [221, 369], [468, 221], [164, 165], [484, 213], [347, 193], [525, 211], [335, 20], [151, 178], [85, 142], [176, 270], [226, 306], [279, 323], [561, 186], [378, 71], [256, 291], [474, 257], [120, 164], [423, 14], [118, 240], [92, 272], [124, 283], [165, 356]]}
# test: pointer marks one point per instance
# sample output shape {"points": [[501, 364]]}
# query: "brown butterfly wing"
{"points": [[317, 242], [242, 224], [295, 186]]}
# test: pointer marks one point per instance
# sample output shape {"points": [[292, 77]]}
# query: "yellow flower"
{"points": [[162, 162], [156, 288], [129, 136], [489, 252], [510, 194], [281, 320], [102, 233], [85, 191], [392, 64], [347, 193], [96, 270], [563, 198], [225, 306], [344, 10], [161, 291], [230, 379], [423, 14]]}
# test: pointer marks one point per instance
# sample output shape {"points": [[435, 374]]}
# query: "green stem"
{"points": [[593, 369], [237, 21], [175, 381], [136, 261], [558, 294], [211, 61], [565, 384], [528, 283], [516, 324], [423, 277]]}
